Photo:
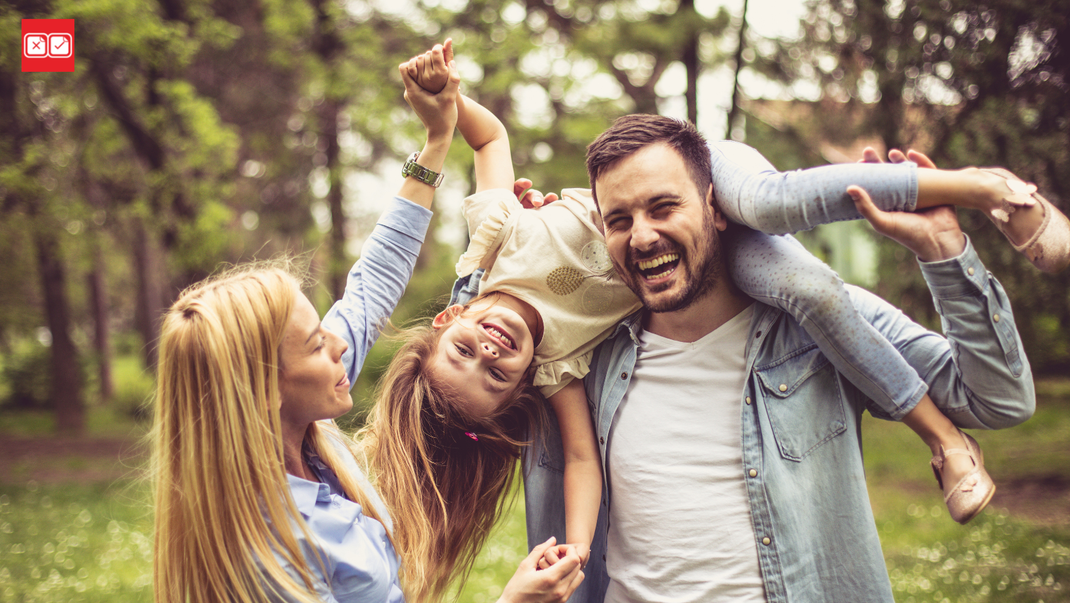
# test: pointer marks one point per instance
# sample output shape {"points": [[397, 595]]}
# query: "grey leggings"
{"points": [[779, 271]]}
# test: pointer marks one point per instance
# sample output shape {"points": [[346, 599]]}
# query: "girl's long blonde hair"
{"points": [[224, 514], [443, 474]]}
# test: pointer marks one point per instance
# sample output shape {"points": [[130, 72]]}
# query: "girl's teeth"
{"points": [[501, 336]]}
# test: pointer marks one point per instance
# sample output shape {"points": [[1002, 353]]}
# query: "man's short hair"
{"points": [[632, 133]]}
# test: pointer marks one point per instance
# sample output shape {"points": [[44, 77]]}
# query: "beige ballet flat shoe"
{"points": [[1049, 247], [971, 494]]}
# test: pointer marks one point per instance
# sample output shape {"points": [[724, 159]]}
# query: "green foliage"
{"points": [[26, 374], [968, 84]]}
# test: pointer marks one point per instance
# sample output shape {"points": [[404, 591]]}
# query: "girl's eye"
{"points": [[498, 375], [464, 351]]}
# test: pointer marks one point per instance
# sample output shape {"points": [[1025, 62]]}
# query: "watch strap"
{"points": [[411, 169]]}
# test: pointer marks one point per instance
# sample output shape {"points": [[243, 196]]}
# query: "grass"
{"points": [[69, 542], [92, 541]]}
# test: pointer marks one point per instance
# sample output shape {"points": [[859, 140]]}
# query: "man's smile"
{"points": [[660, 266]]}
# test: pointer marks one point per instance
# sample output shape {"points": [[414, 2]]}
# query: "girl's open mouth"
{"points": [[499, 334]]}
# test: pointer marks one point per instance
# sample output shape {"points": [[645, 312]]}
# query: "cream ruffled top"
{"points": [[555, 259]]}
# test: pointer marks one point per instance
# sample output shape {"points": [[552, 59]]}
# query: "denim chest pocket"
{"points": [[803, 400]]}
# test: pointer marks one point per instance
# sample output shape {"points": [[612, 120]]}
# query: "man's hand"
{"points": [[529, 197], [553, 585], [932, 234]]}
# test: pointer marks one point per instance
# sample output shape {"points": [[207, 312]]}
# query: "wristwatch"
{"points": [[419, 172]]}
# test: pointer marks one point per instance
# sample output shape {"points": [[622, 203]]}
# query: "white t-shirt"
{"points": [[680, 527]]}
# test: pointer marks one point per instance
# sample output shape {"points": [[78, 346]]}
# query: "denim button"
{"points": [[969, 271], [995, 317], [624, 375], [748, 399], [766, 540], [783, 387], [752, 473]]}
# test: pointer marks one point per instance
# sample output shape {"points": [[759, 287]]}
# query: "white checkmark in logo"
{"points": [[59, 46]]}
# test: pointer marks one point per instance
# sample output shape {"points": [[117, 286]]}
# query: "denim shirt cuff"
{"points": [[407, 218], [957, 276]]}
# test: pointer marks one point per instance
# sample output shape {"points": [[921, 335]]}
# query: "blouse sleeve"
{"points": [[486, 212], [377, 280], [552, 377]]}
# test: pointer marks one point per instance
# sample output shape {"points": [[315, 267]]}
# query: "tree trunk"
{"points": [[66, 394], [733, 111], [149, 296], [692, 65], [339, 263], [98, 301]]}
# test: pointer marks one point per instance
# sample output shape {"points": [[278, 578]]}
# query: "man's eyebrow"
{"points": [[313, 334]]}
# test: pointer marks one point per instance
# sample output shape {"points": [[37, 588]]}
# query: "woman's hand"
{"points": [[553, 585], [437, 111]]}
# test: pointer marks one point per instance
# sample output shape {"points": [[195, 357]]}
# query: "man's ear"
{"points": [[445, 317], [719, 219]]}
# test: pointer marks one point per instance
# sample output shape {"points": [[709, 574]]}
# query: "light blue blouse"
{"points": [[358, 561]]}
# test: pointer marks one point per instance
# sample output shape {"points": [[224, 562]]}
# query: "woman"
{"points": [[258, 496]]}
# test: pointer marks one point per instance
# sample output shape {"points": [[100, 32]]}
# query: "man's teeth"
{"points": [[658, 261], [502, 336]]}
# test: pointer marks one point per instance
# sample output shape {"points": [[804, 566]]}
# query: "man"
{"points": [[730, 447]]}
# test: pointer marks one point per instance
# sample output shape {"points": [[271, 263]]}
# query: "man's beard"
{"points": [[701, 281]]}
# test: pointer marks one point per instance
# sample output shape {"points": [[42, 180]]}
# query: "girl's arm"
{"points": [[583, 468], [487, 136]]}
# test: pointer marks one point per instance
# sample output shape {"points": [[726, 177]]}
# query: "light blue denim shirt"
{"points": [[801, 431], [359, 562]]}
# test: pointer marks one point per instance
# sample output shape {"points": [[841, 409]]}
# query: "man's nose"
{"points": [[643, 234]]}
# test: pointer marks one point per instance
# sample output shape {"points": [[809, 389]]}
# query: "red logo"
{"points": [[48, 45]]}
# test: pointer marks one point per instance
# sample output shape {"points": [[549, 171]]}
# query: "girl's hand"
{"points": [[437, 111], [431, 69], [555, 554]]}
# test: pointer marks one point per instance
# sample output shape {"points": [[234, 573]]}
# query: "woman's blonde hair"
{"points": [[443, 474], [224, 514]]}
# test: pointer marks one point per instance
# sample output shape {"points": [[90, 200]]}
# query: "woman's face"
{"points": [[312, 379]]}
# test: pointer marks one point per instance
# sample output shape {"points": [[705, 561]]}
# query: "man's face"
{"points": [[662, 233]]}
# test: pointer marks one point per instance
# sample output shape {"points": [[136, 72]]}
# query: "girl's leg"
{"points": [[957, 461], [779, 271], [752, 192]]}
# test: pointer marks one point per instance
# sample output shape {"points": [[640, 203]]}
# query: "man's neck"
{"points": [[700, 318]]}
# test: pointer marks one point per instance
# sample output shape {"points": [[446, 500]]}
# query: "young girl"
{"points": [[549, 295]]}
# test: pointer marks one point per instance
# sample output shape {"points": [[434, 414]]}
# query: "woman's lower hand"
{"points": [[555, 584]]}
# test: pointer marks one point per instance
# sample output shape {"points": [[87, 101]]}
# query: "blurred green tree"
{"points": [[968, 84]]}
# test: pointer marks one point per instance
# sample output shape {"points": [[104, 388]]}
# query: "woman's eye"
{"points": [[323, 340], [498, 375], [464, 351]]}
